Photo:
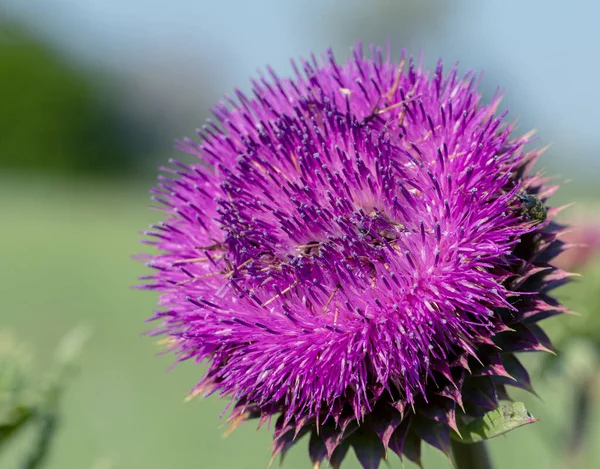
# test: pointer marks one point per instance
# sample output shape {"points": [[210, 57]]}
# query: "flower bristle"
{"points": [[350, 256]]}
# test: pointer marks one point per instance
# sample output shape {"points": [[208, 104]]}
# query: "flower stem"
{"points": [[470, 456]]}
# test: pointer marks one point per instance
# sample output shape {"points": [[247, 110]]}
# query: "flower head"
{"points": [[351, 254]]}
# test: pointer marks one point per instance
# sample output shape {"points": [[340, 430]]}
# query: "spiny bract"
{"points": [[349, 255]]}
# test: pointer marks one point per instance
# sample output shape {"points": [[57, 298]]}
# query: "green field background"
{"points": [[66, 260]]}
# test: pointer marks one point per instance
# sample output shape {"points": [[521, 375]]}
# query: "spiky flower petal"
{"points": [[350, 253]]}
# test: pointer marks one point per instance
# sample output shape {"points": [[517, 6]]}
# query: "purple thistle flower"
{"points": [[350, 255]]}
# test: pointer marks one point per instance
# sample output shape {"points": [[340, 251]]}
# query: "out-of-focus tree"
{"points": [[56, 117]]}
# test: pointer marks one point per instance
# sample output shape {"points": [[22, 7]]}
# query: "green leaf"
{"points": [[19, 418], [17, 400], [507, 417], [23, 399]]}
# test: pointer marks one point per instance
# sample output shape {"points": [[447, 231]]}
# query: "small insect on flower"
{"points": [[533, 208]]}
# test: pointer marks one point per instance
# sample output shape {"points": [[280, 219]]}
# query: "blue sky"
{"points": [[542, 53]]}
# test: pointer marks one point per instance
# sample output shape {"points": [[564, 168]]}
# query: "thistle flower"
{"points": [[351, 257]]}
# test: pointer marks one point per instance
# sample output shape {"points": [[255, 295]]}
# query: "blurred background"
{"points": [[92, 94]]}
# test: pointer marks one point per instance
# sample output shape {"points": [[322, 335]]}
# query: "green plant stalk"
{"points": [[39, 452], [578, 439], [470, 456]]}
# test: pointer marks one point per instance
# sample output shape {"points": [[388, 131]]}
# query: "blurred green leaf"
{"points": [[65, 362], [16, 397], [508, 416], [23, 400]]}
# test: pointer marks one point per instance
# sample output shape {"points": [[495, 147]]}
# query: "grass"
{"points": [[65, 250]]}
